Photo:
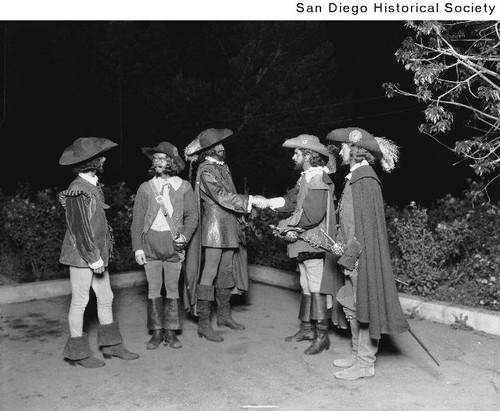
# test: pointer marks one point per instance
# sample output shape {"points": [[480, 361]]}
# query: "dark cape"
{"points": [[377, 301], [333, 278], [194, 255]]}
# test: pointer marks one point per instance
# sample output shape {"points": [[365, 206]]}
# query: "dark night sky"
{"points": [[41, 118]]}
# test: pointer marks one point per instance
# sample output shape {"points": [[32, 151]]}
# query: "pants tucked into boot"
{"points": [[224, 317], [307, 330], [320, 316], [364, 366], [172, 322], [205, 300], [110, 339], [77, 351], [155, 322], [351, 359]]}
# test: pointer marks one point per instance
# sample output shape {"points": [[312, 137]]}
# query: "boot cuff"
{"points": [[318, 307], [109, 334], [206, 292], [77, 348], [155, 313]]}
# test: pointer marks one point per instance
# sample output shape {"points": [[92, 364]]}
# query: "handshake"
{"points": [[262, 202]]}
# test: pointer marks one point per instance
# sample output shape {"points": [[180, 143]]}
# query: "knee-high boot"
{"points": [[155, 322], [205, 300], [110, 339], [224, 317], [319, 313], [307, 330], [172, 322], [351, 359]]}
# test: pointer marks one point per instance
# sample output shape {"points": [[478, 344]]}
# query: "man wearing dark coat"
{"points": [[216, 261], [369, 296], [311, 203], [86, 250]]}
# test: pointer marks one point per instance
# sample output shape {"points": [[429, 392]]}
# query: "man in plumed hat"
{"points": [[219, 240], [311, 204], [86, 250], [164, 219], [369, 296]]}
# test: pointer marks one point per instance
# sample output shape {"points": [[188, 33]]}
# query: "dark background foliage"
{"points": [[138, 83]]}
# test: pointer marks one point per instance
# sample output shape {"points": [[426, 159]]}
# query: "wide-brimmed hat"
{"points": [[206, 139], [165, 148], [307, 141], [381, 148], [358, 137], [84, 148]]}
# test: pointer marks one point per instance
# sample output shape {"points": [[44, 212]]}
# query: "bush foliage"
{"points": [[449, 252]]}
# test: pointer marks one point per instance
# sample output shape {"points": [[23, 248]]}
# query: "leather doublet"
{"points": [[222, 208]]}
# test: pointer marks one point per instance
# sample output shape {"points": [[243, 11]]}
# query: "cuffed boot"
{"points": [[77, 351], [205, 299], [364, 365], [307, 330], [110, 339], [224, 317], [155, 322], [171, 322], [320, 315], [351, 359]]}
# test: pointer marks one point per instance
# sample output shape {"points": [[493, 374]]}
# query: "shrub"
{"points": [[450, 253], [34, 227], [424, 255], [121, 201], [263, 247]]}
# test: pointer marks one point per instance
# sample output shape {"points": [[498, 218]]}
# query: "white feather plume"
{"points": [[390, 153]]}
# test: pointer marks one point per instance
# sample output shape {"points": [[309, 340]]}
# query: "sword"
{"points": [[424, 347]]}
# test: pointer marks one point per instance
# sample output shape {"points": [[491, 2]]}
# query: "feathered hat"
{"points": [[381, 148]]}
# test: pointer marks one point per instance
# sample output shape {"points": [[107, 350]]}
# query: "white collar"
{"points": [[312, 171], [354, 167], [91, 179], [174, 181], [214, 160]]}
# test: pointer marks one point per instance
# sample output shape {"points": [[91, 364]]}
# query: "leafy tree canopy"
{"points": [[456, 74]]}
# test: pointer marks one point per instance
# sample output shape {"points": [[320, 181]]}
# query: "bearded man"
{"points": [[164, 219], [220, 240], [86, 250], [311, 202], [369, 296]]}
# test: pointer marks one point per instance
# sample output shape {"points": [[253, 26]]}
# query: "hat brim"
{"points": [[367, 140], [222, 134], [318, 149], [69, 160], [149, 151]]}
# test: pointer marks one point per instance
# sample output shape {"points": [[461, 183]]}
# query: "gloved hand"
{"points": [[180, 242], [291, 236], [140, 258]]}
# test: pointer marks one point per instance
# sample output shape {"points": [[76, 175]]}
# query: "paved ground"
{"points": [[253, 369]]}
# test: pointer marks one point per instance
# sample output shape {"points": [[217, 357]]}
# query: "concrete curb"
{"points": [[479, 319], [46, 289]]}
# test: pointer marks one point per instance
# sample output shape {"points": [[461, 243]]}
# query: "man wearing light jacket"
{"points": [[311, 202], [164, 219]]}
